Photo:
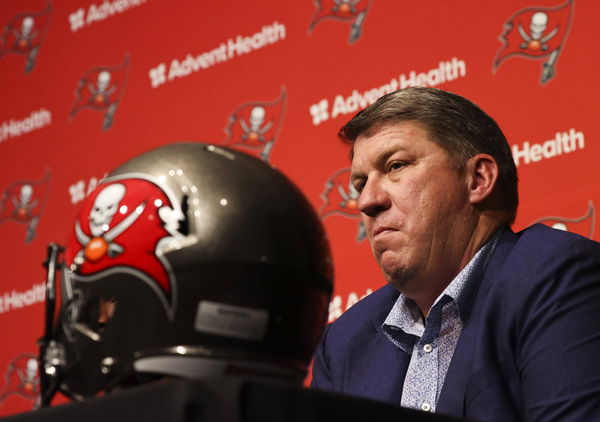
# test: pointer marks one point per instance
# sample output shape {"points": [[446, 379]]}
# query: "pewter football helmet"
{"points": [[188, 260]]}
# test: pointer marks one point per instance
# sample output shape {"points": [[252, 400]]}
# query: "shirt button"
{"points": [[427, 348], [425, 407]]}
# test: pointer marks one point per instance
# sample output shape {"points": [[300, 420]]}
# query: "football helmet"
{"points": [[188, 260]]}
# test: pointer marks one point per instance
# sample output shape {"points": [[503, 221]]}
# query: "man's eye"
{"points": [[358, 186], [395, 165]]}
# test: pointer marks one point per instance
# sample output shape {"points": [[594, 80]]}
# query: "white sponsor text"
{"points": [[99, 12], [445, 71], [36, 120], [237, 46], [14, 299], [562, 143]]}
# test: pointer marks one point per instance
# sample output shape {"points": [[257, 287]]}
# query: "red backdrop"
{"points": [[87, 84]]}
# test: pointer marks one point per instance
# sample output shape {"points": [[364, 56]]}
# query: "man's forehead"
{"points": [[382, 139]]}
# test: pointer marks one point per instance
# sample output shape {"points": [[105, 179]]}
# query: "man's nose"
{"points": [[373, 198]]}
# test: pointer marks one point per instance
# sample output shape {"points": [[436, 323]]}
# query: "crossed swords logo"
{"points": [[341, 198], [535, 44], [96, 247]]}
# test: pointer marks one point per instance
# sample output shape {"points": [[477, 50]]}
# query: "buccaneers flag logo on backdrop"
{"points": [[22, 378], [123, 226], [101, 89], [23, 201], [536, 33], [583, 225], [354, 11], [255, 125], [340, 198], [24, 34]]}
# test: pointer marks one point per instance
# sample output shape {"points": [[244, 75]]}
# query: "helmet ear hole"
{"points": [[88, 315], [106, 310]]}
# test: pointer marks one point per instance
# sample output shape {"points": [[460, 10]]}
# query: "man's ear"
{"points": [[483, 175]]}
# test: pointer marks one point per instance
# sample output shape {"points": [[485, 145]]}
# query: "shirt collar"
{"points": [[462, 289], [405, 315]]}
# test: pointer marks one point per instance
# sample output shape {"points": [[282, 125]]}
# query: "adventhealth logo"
{"points": [[15, 299], [100, 12], [562, 143], [233, 47], [445, 71], [36, 120]]}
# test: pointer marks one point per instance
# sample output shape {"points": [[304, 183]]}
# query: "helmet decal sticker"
{"points": [[124, 227]]}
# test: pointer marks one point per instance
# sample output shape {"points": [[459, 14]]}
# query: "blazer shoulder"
{"points": [[543, 249], [543, 265], [549, 238], [368, 312]]}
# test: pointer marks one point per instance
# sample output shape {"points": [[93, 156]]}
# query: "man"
{"points": [[476, 321]]}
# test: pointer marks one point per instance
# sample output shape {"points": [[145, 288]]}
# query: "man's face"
{"points": [[415, 206]]}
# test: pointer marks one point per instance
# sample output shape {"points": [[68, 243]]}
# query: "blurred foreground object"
{"points": [[189, 260], [226, 399]]}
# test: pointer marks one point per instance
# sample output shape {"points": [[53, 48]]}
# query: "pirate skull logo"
{"points": [[256, 130], [535, 39], [102, 242], [102, 90], [25, 202]]}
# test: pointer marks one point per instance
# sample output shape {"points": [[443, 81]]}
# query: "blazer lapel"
{"points": [[379, 373], [452, 396], [377, 367]]}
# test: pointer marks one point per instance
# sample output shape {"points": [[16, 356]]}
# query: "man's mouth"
{"points": [[379, 230]]}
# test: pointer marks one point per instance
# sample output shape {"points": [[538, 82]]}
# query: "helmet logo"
{"points": [[124, 226], [103, 211]]}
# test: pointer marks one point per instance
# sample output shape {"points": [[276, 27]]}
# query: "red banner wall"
{"points": [[87, 84]]}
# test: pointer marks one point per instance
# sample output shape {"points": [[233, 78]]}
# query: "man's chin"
{"points": [[399, 277]]}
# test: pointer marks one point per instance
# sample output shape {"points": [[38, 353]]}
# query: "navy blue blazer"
{"points": [[529, 349]]}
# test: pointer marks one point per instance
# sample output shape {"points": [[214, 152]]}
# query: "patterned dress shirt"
{"points": [[431, 342]]}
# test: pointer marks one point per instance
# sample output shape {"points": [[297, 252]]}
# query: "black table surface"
{"points": [[224, 399]]}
